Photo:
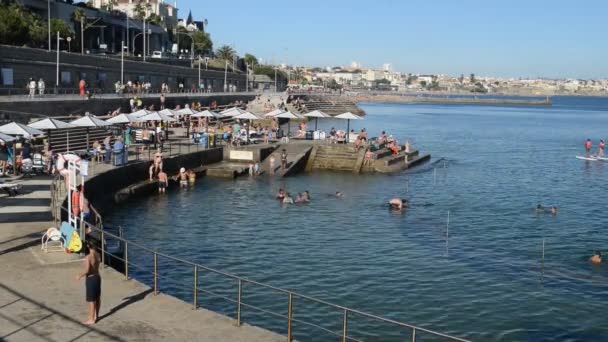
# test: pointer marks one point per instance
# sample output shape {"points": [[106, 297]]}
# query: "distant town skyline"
{"points": [[527, 39]]}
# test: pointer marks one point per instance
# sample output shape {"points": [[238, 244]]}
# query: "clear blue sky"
{"points": [[510, 38]]}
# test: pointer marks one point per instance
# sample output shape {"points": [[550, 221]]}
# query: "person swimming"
{"points": [[338, 194], [303, 197], [287, 199], [539, 208], [554, 210], [596, 258], [398, 203], [281, 194]]}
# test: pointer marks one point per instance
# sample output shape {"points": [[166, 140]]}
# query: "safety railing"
{"points": [[238, 301]]}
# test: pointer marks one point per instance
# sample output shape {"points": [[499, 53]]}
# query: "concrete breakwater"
{"points": [[451, 100]]}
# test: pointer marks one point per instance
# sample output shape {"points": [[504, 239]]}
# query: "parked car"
{"points": [[157, 54]]}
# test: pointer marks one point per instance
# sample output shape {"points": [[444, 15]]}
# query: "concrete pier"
{"points": [[40, 300]]}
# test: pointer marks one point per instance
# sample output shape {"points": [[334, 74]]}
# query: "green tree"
{"points": [[423, 84], [14, 24], [139, 11], [333, 84], [472, 79], [251, 59], [269, 71], [202, 43], [225, 52]]}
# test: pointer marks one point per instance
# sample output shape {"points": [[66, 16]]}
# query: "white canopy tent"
{"points": [[50, 124], [15, 128], [205, 114], [317, 114], [348, 116]]}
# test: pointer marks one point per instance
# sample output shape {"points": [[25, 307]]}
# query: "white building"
{"points": [[166, 11]]}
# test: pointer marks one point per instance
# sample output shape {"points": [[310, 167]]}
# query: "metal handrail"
{"points": [[240, 304]]}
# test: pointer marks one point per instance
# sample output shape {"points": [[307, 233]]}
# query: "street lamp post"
{"points": [[226, 77], [275, 79], [144, 32], [199, 72], [48, 10], [69, 39], [122, 62], [57, 74]]}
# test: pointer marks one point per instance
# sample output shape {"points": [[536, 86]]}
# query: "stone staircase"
{"points": [[336, 157], [332, 105]]}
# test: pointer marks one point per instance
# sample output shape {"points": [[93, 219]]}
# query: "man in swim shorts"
{"points": [[92, 282], [588, 146], [183, 178], [163, 182]]}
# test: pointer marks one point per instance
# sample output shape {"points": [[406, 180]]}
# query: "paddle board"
{"points": [[602, 158], [586, 158]]}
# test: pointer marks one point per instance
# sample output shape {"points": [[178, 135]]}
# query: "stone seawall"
{"points": [[101, 188]]}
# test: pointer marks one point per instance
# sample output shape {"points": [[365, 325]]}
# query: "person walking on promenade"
{"points": [[162, 101], [41, 86], [92, 282], [32, 88], [82, 87]]}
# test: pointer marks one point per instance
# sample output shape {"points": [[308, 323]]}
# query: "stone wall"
{"points": [[100, 71], [101, 188]]}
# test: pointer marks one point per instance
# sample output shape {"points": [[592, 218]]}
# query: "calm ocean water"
{"points": [[490, 167]]}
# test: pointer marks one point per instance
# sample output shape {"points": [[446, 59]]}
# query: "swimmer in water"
{"points": [[287, 199], [596, 259], [280, 194], [339, 194], [303, 197], [553, 210], [539, 208], [398, 203]]}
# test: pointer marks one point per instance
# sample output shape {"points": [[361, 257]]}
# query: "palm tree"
{"points": [[226, 53], [80, 16]]}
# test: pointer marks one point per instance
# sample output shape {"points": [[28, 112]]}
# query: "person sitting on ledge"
{"points": [[398, 203], [596, 259]]}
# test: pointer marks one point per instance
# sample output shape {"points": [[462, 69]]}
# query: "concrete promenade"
{"points": [[155, 95], [40, 300]]}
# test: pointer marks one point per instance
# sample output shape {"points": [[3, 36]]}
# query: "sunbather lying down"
{"points": [[10, 189]]}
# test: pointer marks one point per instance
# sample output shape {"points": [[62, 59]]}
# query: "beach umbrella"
{"points": [[15, 128], [50, 124], [157, 116], [317, 114], [6, 138], [289, 116], [123, 119], [206, 114], [89, 121], [273, 113], [140, 113], [231, 112], [186, 111], [348, 116], [247, 116], [169, 112]]}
